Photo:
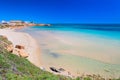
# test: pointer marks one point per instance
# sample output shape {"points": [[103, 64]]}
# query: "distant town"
{"points": [[19, 23]]}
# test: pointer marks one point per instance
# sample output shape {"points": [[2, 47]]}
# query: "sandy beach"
{"points": [[31, 47], [47, 52], [20, 38]]}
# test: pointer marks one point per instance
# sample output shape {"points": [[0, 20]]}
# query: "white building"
{"points": [[16, 22]]}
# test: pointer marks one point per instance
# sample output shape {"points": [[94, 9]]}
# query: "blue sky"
{"points": [[61, 11]]}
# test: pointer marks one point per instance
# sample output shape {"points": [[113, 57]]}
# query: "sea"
{"points": [[79, 48]]}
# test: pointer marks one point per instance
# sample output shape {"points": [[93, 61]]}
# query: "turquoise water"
{"points": [[80, 49]]}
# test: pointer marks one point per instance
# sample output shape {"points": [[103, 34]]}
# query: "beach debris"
{"points": [[54, 69], [19, 47]]}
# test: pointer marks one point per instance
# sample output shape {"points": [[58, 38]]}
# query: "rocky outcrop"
{"points": [[10, 48], [21, 53], [6, 44], [17, 50]]}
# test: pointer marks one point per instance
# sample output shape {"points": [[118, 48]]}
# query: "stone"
{"points": [[10, 48], [21, 53], [54, 69], [19, 47], [42, 68]]}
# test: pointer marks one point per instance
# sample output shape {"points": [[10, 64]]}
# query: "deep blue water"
{"points": [[104, 27]]}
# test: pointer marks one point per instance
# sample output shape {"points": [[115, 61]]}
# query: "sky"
{"points": [[61, 11]]}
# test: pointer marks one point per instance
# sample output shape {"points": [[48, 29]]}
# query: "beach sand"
{"points": [[24, 39], [74, 64]]}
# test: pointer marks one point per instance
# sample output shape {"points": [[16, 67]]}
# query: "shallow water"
{"points": [[79, 51]]}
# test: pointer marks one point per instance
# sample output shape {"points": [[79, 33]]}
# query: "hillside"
{"points": [[13, 67]]}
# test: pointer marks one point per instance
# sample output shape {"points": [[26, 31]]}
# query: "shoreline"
{"points": [[33, 49], [50, 45]]}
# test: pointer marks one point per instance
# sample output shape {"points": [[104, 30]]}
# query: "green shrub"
{"points": [[87, 78]]}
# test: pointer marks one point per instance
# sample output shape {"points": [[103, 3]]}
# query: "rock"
{"points": [[6, 44], [42, 68], [19, 47], [21, 53], [54, 69], [10, 48]]}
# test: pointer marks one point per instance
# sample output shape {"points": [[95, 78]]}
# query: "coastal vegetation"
{"points": [[3, 26], [13, 67]]}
